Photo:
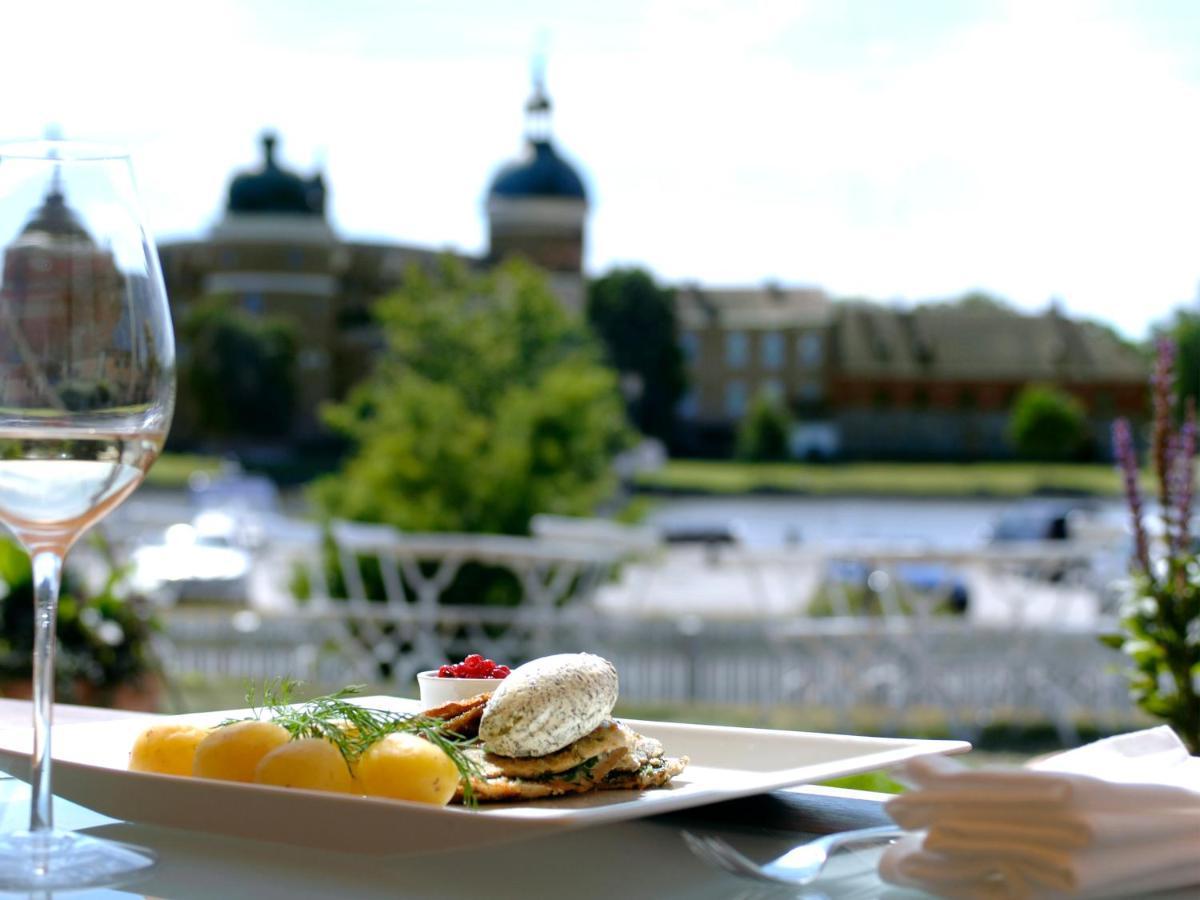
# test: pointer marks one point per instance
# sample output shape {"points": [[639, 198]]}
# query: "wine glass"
{"points": [[87, 388]]}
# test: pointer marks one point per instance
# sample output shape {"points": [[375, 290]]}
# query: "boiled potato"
{"points": [[405, 767], [167, 749], [312, 763], [232, 752]]}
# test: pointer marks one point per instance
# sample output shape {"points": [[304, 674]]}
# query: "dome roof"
{"points": [[275, 190], [541, 173], [55, 218]]}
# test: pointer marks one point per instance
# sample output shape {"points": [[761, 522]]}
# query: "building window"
{"points": [[772, 350], [253, 303], [772, 389], [810, 391], [736, 346], [688, 406], [735, 398], [689, 346], [809, 349]]}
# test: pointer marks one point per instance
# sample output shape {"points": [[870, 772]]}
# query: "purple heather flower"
{"points": [[1169, 513], [1161, 388], [1127, 462], [1186, 488]]}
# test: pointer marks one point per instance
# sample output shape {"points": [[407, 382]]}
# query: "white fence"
{"points": [[973, 675], [1027, 646]]}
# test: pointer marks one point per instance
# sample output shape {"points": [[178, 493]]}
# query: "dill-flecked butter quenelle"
{"points": [[548, 703]]}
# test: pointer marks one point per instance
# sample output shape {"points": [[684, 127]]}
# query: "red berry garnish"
{"points": [[474, 666]]}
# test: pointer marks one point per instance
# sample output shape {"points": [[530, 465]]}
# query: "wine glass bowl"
{"points": [[87, 388]]}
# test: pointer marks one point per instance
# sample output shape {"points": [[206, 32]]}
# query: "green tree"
{"points": [[763, 434], [635, 318], [488, 405], [1047, 424], [1186, 332], [974, 301], [239, 373], [981, 301]]}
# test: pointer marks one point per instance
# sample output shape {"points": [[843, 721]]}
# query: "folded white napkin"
{"points": [[1117, 818]]}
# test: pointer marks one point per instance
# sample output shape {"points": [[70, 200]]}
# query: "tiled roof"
{"points": [[939, 343], [755, 308]]}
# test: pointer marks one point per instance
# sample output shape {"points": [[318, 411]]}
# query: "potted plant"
{"points": [[1160, 614], [104, 653]]}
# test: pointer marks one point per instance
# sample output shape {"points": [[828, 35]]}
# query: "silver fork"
{"points": [[800, 865]]}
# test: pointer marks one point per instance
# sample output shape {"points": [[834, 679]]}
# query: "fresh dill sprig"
{"points": [[353, 728]]}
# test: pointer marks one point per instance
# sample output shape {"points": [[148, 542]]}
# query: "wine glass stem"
{"points": [[47, 575]]}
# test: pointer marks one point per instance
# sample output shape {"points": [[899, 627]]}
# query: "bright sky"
{"points": [[878, 148]]}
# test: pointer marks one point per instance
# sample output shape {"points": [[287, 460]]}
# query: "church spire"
{"points": [[55, 192], [269, 139], [538, 108]]}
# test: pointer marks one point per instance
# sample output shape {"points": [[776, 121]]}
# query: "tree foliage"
{"points": [[982, 301], [239, 373], [488, 405], [1047, 424], [1185, 332], [764, 432], [975, 301], [635, 318]]}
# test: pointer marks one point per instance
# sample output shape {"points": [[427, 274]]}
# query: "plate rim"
{"points": [[519, 821]]}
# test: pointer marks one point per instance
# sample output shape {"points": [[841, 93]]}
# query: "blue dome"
{"points": [[275, 190], [542, 173]]}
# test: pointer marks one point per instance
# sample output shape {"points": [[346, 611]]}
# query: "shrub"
{"points": [[1047, 424], [103, 637], [764, 432]]}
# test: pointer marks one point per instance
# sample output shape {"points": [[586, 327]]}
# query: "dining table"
{"points": [[641, 858]]}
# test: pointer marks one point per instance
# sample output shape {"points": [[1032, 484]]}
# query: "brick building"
{"points": [[867, 381], [274, 252], [739, 342], [862, 380], [74, 343], [939, 382]]}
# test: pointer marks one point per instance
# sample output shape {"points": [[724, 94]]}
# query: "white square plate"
{"points": [[90, 769]]}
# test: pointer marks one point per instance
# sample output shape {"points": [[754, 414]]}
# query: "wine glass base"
{"points": [[58, 860]]}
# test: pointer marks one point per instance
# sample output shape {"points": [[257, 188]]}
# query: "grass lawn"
{"points": [[991, 479]]}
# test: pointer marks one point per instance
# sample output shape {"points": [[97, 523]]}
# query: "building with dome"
{"points": [[273, 252], [537, 207], [72, 297], [862, 381]]}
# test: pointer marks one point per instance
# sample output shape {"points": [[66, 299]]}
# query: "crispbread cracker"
{"points": [[457, 707]]}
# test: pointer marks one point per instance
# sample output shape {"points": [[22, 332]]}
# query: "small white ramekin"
{"points": [[436, 691]]}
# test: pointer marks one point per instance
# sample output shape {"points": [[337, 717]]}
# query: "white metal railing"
{"points": [[410, 628], [972, 674], [723, 627]]}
